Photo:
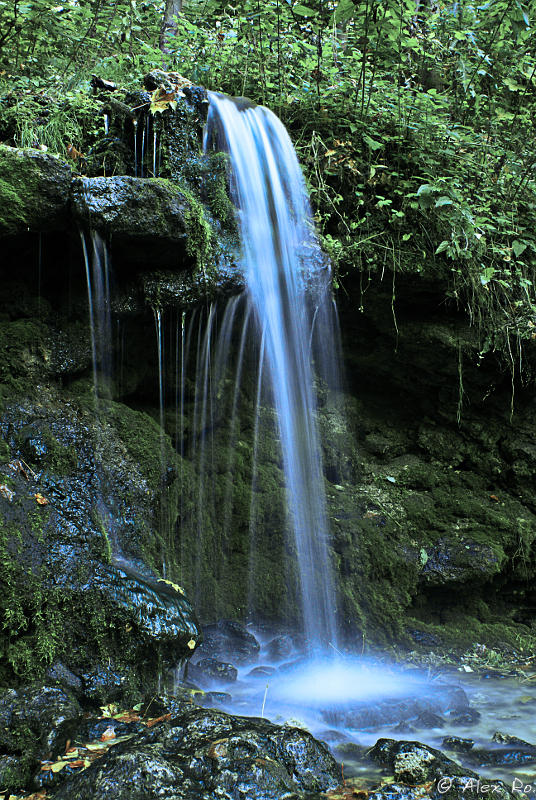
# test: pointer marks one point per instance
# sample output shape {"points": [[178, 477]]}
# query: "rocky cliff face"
{"points": [[429, 475]]}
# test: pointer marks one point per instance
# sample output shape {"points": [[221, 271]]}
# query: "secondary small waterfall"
{"points": [[288, 290]]}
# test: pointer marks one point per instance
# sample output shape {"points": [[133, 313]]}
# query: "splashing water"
{"points": [[288, 288]]}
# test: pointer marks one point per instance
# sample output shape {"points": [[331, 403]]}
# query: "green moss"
{"points": [[33, 190], [32, 629], [21, 344], [14, 212], [199, 241], [106, 551], [58, 458], [215, 188], [459, 630]]}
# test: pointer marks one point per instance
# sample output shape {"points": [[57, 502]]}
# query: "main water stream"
{"points": [[288, 289]]}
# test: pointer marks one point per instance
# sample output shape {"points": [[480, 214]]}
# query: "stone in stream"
{"points": [[416, 763], [372, 714], [228, 640], [261, 672], [208, 670], [209, 699], [468, 717], [279, 647], [427, 719], [502, 756], [457, 744]]}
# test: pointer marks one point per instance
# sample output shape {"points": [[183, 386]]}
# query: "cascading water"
{"points": [[288, 287]]}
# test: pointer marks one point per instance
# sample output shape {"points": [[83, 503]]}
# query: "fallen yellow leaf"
{"points": [[175, 586]]}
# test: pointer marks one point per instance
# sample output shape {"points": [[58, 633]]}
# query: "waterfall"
{"points": [[288, 291]]}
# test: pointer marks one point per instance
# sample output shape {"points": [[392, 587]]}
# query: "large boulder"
{"points": [[34, 191], [131, 207], [205, 754]]}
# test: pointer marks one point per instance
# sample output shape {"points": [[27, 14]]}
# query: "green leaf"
{"points": [[443, 201], [425, 188], [344, 11], [487, 275], [442, 247], [304, 11], [372, 144], [519, 247]]}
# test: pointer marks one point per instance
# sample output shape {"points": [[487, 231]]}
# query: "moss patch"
{"points": [[34, 190]]}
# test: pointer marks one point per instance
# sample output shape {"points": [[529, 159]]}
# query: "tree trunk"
{"points": [[169, 23]]}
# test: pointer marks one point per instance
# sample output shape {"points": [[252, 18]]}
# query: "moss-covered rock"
{"points": [[34, 190], [83, 539], [148, 208]]}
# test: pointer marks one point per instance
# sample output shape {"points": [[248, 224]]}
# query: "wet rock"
{"points": [[506, 738], [502, 756], [351, 750], [34, 722], [404, 727], [457, 744], [230, 640], [102, 684], [414, 762], [58, 673], [427, 719], [208, 699], [35, 716], [468, 717], [412, 766], [261, 672], [332, 735], [461, 560], [439, 698], [34, 191], [205, 754], [279, 647], [207, 670], [186, 290], [123, 622], [68, 349], [91, 729], [147, 216]]}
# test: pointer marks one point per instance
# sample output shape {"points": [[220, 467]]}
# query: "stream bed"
{"points": [[482, 717]]}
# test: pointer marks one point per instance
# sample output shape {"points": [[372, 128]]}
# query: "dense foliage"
{"points": [[415, 121]]}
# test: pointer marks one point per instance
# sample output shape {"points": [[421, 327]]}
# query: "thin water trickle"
{"points": [[287, 286], [135, 126], [98, 278]]}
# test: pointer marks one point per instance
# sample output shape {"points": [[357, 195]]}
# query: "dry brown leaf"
{"points": [[218, 749], [73, 153], [108, 734], [6, 492], [127, 716], [156, 720]]}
